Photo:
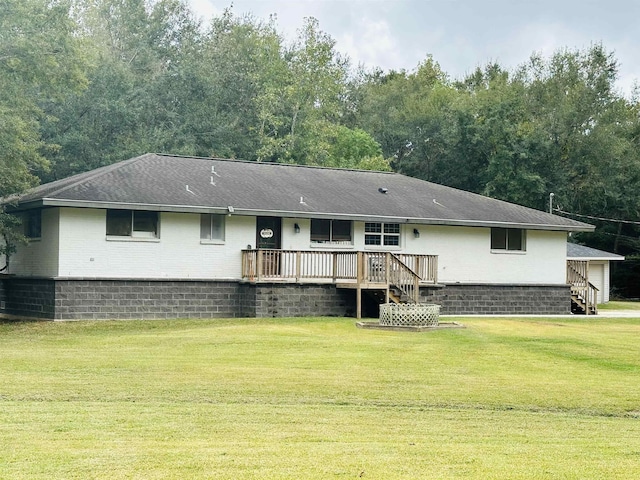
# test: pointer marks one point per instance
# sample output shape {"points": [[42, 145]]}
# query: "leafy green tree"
{"points": [[348, 147], [132, 104], [240, 74], [40, 60], [504, 143], [307, 99], [420, 121], [587, 126]]}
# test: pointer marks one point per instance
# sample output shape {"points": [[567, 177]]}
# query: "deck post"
{"points": [[298, 262], [259, 264], [387, 265], [587, 292], [359, 268]]}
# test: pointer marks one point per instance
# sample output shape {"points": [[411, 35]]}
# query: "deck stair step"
{"points": [[584, 294], [579, 305], [395, 296]]}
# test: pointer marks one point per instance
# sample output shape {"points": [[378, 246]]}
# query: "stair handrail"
{"points": [[578, 278], [577, 273], [403, 277], [592, 300]]}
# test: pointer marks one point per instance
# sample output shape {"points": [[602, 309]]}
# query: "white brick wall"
{"points": [[178, 253], [465, 256], [464, 253], [39, 257]]}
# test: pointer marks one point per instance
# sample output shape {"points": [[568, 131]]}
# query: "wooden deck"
{"points": [[381, 271], [357, 270]]}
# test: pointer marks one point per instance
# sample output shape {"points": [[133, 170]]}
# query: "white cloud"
{"points": [[370, 43], [204, 10], [460, 34]]}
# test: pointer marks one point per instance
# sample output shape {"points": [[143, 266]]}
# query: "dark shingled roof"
{"points": [[580, 251], [189, 184]]}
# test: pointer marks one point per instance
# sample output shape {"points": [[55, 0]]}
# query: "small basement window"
{"points": [[512, 239], [132, 223], [212, 227], [330, 231], [387, 234]]}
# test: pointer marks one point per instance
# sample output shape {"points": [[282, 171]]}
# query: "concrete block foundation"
{"points": [[74, 299]]}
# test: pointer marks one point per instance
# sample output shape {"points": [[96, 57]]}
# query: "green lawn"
{"points": [[619, 305], [317, 398]]}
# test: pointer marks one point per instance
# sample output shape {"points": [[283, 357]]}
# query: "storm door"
{"points": [[269, 239]]}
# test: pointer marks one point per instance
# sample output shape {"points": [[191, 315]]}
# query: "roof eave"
{"points": [[617, 258], [53, 202]]}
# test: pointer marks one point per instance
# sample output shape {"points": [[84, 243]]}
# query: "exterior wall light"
{"points": [[416, 233], [296, 228]]}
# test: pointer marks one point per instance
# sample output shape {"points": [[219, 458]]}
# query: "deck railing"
{"points": [[404, 278], [339, 266], [578, 278]]}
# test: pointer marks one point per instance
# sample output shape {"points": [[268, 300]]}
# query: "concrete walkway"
{"points": [[601, 314], [619, 313]]}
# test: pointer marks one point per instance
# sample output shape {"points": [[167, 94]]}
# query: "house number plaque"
{"points": [[266, 233]]}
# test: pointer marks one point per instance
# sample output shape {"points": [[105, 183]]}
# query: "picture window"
{"points": [[331, 231], [132, 223], [510, 239]]}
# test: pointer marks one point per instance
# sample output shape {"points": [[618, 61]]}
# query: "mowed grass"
{"points": [[619, 305], [316, 398]]}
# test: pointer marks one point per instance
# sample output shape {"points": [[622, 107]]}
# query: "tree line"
{"points": [[85, 83]]}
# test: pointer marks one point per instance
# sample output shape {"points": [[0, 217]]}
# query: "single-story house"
{"points": [[163, 236], [596, 264]]}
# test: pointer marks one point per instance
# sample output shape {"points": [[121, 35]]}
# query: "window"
{"points": [[330, 231], [387, 234], [32, 224], [212, 227], [508, 239], [132, 223]]}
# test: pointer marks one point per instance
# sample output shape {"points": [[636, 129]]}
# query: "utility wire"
{"points": [[630, 222]]}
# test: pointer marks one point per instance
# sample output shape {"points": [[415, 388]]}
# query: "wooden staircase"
{"points": [[399, 282], [584, 294], [397, 296], [581, 306]]}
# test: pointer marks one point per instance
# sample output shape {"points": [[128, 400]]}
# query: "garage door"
{"points": [[596, 276]]}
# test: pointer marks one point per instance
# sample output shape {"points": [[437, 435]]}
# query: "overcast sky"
{"points": [[460, 34]]}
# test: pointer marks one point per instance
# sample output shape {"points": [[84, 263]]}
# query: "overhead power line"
{"points": [[615, 220]]}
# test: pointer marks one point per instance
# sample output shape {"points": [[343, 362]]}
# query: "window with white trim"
{"points": [[510, 239], [387, 234], [331, 231], [212, 227], [132, 223]]}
